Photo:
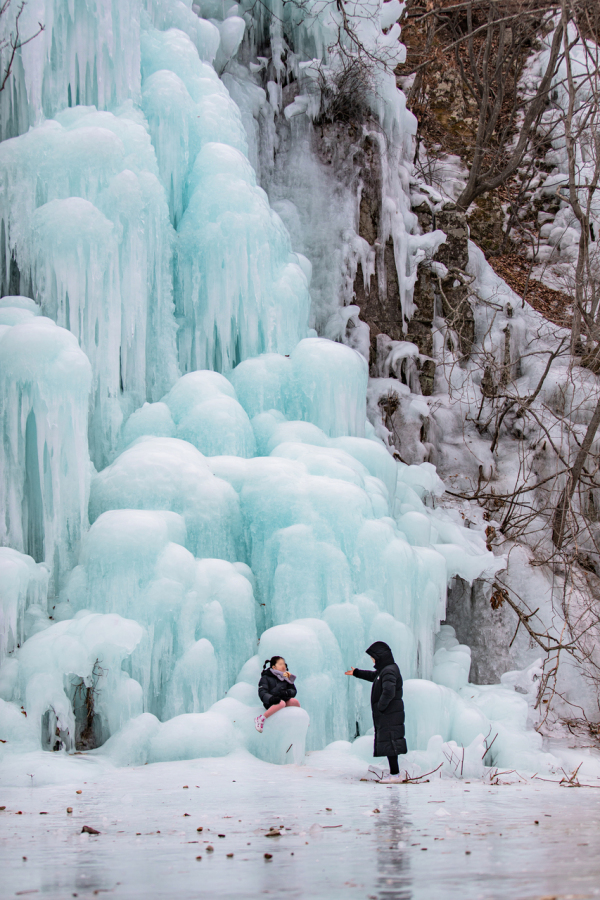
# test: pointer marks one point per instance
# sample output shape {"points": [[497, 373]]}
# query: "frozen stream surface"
{"points": [[341, 838]]}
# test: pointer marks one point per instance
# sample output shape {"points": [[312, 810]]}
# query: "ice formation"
{"points": [[189, 480]]}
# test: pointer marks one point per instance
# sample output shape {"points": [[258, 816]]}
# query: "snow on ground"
{"points": [[341, 837]]}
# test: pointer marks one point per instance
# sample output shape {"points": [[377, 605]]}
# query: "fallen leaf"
{"points": [[87, 829]]}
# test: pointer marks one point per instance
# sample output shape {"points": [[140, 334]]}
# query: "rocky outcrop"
{"points": [[489, 631], [446, 296], [380, 303]]}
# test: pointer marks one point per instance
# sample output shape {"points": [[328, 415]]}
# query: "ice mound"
{"points": [[177, 14], [227, 726], [200, 408], [171, 474], [15, 310], [198, 614], [322, 382], [53, 672], [451, 660]]}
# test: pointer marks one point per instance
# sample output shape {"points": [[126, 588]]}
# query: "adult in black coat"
{"points": [[386, 703]]}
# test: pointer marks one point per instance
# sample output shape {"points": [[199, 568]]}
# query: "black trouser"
{"points": [[393, 761]]}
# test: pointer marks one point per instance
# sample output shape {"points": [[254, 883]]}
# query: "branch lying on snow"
{"points": [[493, 776], [418, 779], [569, 780]]}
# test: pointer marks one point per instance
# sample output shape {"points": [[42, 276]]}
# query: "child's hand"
{"points": [[350, 672]]}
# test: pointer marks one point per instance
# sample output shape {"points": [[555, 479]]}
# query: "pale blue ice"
{"points": [[189, 481]]}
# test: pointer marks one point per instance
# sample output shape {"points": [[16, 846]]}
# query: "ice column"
{"points": [[44, 387], [88, 54], [86, 228], [239, 289], [23, 583]]}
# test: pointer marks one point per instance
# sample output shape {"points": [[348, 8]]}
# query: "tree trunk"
{"points": [[564, 504]]}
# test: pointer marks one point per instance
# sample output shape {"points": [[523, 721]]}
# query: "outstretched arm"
{"points": [[364, 674]]}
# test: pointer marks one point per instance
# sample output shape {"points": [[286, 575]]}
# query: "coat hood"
{"points": [[382, 654]]}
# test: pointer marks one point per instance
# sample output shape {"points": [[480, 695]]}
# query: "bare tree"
{"points": [[490, 41], [12, 42], [540, 484], [580, 124]]}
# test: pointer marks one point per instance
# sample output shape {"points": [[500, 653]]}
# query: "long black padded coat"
{"points": [[386, 701], [272, 691]]}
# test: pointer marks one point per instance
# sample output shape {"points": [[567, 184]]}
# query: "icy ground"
{"points": [[341, 837]]}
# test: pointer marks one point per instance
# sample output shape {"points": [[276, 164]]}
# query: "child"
{"points": [[276, 689]]}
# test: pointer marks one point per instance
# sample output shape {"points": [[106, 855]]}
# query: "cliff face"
{"points": [[473, 373]]}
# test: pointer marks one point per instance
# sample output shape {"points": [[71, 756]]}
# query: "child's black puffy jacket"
{"points": [[272, 690]]}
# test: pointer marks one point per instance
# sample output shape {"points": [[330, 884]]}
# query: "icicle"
{"points": [[44, 387], [23, 583]]}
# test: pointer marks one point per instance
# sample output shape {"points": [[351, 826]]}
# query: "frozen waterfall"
{"points": [[188, 480]]}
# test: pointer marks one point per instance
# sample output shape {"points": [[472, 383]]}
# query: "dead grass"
{"points": [[555, 306], [448, 120]]}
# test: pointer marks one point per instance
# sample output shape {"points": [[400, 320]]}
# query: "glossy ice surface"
{"points": [[341, 837]]}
